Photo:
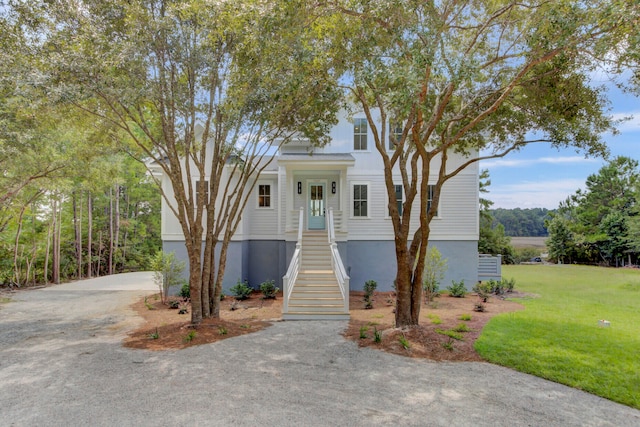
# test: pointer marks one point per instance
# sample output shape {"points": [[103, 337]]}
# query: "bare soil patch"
{"points": [[165, 329], [428, 340]]}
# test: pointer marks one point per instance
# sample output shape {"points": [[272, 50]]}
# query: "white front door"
{"points": [[316, 219]]}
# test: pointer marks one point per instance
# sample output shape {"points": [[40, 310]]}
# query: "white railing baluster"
{"points": [[336, 263], [289, 279]]}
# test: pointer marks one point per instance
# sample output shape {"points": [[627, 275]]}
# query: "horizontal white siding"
{"points": [[262, 222], [457, 212]]}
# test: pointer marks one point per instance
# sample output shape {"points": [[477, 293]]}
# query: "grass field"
{"points": [[558, 336]]}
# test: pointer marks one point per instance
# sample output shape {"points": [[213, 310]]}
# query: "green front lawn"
{"points": [[558, 337]]}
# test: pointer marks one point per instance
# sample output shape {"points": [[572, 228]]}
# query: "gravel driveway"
{"points": [[61, 364]]}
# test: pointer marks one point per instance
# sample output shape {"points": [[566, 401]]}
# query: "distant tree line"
{"points": [[600, 224], [522, 222]]}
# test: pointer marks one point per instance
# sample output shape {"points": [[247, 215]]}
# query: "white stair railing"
{"points": [[289, 279], [336, 263]]}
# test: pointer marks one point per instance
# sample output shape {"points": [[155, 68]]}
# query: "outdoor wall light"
{"points": [[299, 187], [333, 187]]}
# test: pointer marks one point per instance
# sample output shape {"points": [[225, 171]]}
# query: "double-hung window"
{"points": [[359, 134], [360, 200], [264, 196]]}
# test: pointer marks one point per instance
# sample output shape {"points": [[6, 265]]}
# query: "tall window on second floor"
{"points": [[360, 200], [264, 196], [359, 134]]}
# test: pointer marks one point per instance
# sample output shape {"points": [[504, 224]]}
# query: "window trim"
{"points": [[269, 185], [362, 123], [353, 200]]}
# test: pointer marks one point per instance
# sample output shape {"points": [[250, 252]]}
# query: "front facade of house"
{"points": [[346, 178]]}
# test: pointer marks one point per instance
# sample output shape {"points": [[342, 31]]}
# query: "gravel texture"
{"points": [[61, 364]]}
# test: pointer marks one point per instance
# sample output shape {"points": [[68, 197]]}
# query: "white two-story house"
{"points": [[310, 200]]}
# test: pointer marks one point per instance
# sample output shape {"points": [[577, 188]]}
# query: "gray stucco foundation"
{"points": [[260, 260]]}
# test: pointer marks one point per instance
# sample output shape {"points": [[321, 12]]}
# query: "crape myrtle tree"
{"points": [[203, 90], [480, 78]]}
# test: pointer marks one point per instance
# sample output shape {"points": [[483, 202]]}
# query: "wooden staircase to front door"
{"points": [[316, 294]]}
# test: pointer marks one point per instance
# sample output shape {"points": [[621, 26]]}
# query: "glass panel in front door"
{"points": [[316, 206]]}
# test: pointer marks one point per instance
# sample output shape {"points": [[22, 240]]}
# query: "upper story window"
{"points": [[360, 200], [359, 134], [395, 133], [264, 196]]}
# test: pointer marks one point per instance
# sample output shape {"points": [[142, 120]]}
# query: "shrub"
{"points": [[167, 272], [269, 289], [509, 284], [241, 290], [484, 290], [185, 291], [457, 289], [465, 317], [377, 335], [435, 267], [190, 336], [363, 332], [369, 287], [404, 342]]}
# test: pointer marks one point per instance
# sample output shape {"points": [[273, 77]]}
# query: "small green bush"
{"points": [[369, 288], [363, 332], [435, 267], [465, 317], [185, 291], [269, 289], [509, 284], [457, 289], [190, 336], [484, 289], [377, 335], [404, 342], [241, 290]]}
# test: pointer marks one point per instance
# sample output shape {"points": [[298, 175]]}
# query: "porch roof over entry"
{"points": [[317, 160]]}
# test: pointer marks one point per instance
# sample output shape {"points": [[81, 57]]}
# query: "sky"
{"points": [[540, 176]]}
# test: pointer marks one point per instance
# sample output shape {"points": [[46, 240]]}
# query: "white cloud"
{"points": [[533, 194], [510, 163], [632, 125]]}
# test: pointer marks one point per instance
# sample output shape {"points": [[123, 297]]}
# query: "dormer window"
{"points": [[359, 134]]}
